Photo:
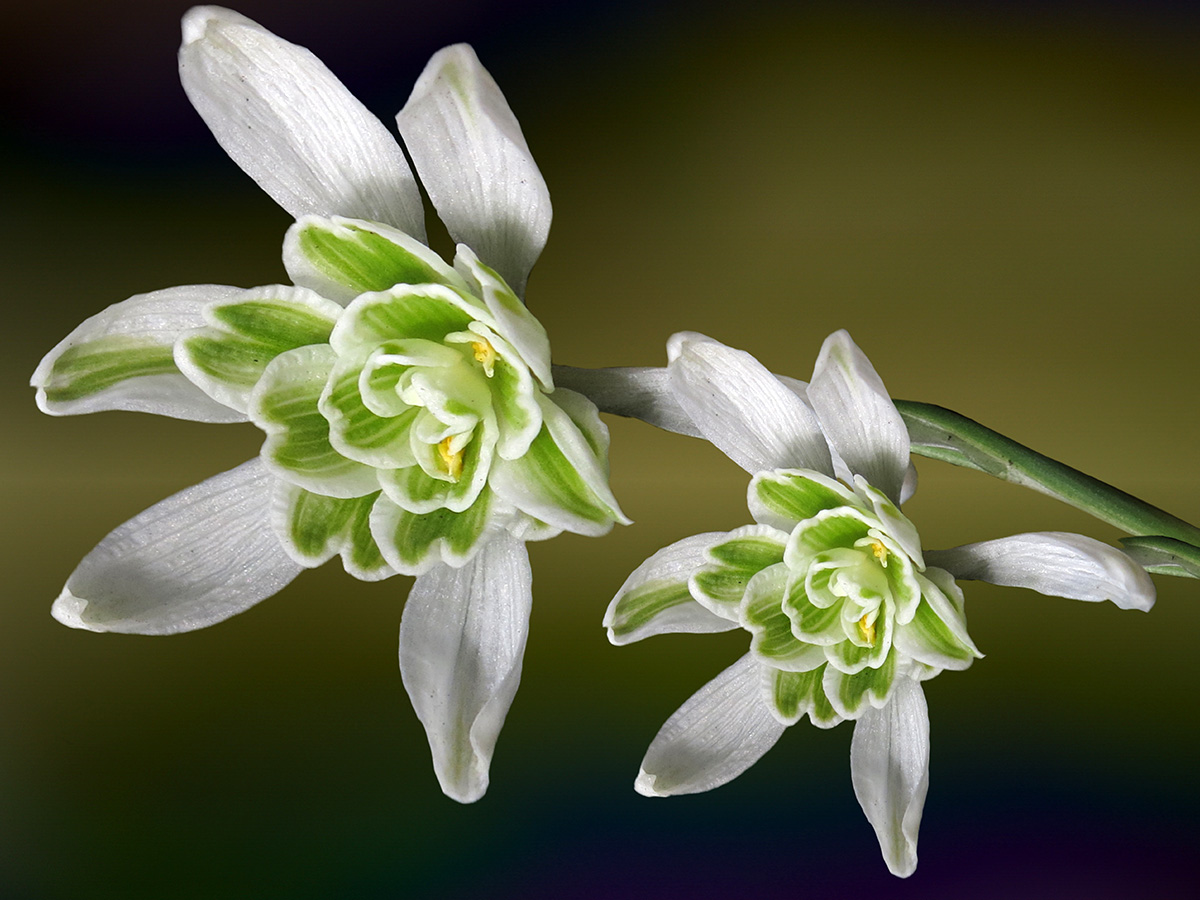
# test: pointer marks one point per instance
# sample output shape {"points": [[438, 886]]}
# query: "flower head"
{"points": [[846, 614], [412, 424]]}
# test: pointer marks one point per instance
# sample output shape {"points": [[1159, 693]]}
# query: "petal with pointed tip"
{"points": [[742, 408], [889, 766], [290, 124], [192, 560], [122, 358], [655, 600], [1054, 563], [475, 164], [462, 641], [857, 415], [722, 730]]}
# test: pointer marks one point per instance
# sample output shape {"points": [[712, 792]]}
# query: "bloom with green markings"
{"points": [[412, 423], [846, 614]]}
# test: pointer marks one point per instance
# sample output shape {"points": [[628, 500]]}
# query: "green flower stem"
{"points": [[939, 433]]}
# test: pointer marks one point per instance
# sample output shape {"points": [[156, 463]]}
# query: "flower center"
{"points": [[485, 355], [880, 551], [452, 460]]}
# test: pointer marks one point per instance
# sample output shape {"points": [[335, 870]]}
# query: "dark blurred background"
{"points": [[1001, 201]]}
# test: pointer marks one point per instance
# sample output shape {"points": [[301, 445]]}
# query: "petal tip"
{"points": [[68, 609], [645, 785]]}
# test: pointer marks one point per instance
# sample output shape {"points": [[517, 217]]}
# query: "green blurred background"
{"points": [[1000, 201]]}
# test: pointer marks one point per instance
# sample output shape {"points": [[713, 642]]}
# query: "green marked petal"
{"points": [[852, 657], [226, 358], [902, 582], [561, 479], [513, 391], [937, 634], [428, 312], [412, 543], [285, 405], [791, 695], [772, 639], [420, 491], [830, 528], [813, 624], [721, 583], [894, 523], [784, 497], [313, 528], [357, 432], [342, 258], [509, 315], [97, 365], [852, 694]]}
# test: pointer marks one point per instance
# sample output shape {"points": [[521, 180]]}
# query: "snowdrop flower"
{"points": [[412, 423], [846, 614]]}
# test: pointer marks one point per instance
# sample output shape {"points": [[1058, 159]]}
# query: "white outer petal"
{"points": [[673, 563], [290, 124], [1055, 563], [889, 766], [159, 317], [722, 730], [475, 164], [638, 392], [743, 409], [462, 641], [192, 560], [857, 415]]}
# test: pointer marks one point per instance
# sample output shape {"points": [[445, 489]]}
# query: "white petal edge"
{"points": [[857, 415], [889, 766], [475, 164], [743, 409], [292, 126], [192, 560], [1055, 563], [674, 563], [462, 641], [158, 317], [722, 730]]}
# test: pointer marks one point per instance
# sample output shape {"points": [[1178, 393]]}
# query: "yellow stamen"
{"points": [[880, 551], [866, 627], [485, 355], [452, 460]]}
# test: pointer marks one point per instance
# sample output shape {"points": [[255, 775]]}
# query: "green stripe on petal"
{"points": [[852, 694], [285, 405], [561, 480], [361, 556], [227, 358], [763, 616], [313, 528], [811, 623], [784, 497], [419, 491], [721, 584], [342, 258], [791, 695], [412, 542], [426, 312], [639, 607], [828, 529], [89, 368], [357, 432]]}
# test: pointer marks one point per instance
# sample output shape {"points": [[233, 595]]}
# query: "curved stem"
{"points": [[940, 433]]}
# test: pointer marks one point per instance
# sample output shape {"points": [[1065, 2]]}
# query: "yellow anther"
{"points": [[485, 355], [452, 460], [880, 551], [866, 627]]}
